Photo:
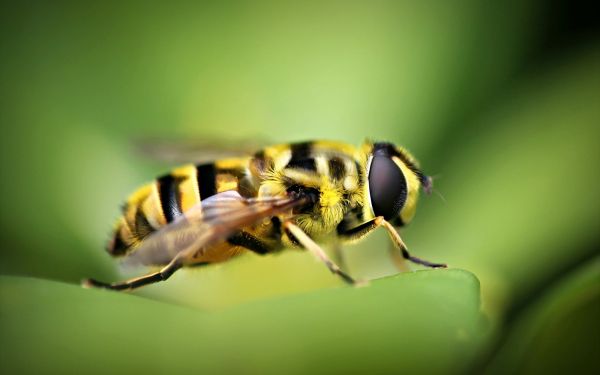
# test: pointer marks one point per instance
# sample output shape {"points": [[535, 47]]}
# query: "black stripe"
{"points": [[170, 200], [248, 241], [301, 150], [142, 226], [301, 157], [117, 246], [206, 176], [337, 168], [276, 224], [308, 164]]}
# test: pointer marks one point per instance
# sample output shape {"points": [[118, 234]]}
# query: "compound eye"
{"points": [[387, 187]]}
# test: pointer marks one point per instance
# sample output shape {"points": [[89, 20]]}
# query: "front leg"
{"points": [[364, 229], [310, 245]]}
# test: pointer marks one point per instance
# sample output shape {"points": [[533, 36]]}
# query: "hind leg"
{"points": [[137, 282]]}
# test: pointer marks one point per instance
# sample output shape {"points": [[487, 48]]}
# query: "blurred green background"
{"points": [[501, 102]]}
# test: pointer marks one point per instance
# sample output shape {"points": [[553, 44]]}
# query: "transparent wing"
{"points": [[182, 151], [205, 224]]}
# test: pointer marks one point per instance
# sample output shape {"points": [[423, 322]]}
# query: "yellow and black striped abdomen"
{"points": [[168, 197]]}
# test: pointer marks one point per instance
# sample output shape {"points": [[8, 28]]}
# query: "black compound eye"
{"points": [[387, 187]]}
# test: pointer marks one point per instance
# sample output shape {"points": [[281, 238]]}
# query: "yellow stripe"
{"points": [[233, 163], [341, 147], [125, 233], [413, 185], [226, 182], [188, 188], [153, 209]]}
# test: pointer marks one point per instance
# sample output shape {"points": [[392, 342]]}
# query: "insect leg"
{"points": [[397, 258], [137, 282], [316, 250], [397, 240], [248, 241], [364, 229]]}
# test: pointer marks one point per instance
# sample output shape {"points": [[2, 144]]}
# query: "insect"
{"points": [[284, 196]]}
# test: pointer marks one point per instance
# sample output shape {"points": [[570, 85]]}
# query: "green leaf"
{"points": [[421, 321]]}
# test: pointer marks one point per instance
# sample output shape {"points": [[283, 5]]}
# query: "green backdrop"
{"points": [[508, 125]]}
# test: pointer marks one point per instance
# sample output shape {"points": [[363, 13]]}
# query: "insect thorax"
{"points": [[328, 170]]}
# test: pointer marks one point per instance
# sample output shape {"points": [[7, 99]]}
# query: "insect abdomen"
{"points": [[168, 197]]}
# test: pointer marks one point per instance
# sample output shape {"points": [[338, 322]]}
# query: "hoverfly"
{"points": [[284, 196]]}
